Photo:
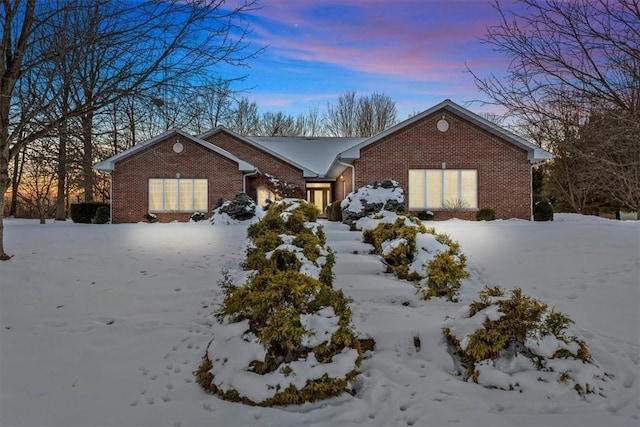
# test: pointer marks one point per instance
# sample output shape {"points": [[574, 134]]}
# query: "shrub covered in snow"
{"points": [[198, 216], [371, 199], [288, 238], [417, 253], [241, 208], [498, 340], [151, 218], [286, 335]]}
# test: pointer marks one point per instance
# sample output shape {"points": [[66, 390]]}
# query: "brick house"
{"points": [[449, 161]]}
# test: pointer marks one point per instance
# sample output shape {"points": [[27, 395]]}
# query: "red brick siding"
{"points": [[342, 185], [265, 162], [130, 178], [504, 173]]}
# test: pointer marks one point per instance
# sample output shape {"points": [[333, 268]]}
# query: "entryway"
{"points": [[319, 194]]}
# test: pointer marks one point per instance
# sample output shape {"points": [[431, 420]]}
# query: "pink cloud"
{"points": [[419, 40]]}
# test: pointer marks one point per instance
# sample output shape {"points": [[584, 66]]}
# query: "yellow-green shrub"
{"points": [[521, 318], [444, 272]]}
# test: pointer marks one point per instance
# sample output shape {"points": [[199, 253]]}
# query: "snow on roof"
{"points": [[314, 155]]}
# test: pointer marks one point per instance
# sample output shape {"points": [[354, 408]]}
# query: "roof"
{"points": [[314, 156], [535, 154], [109, 164], [326, 157]]}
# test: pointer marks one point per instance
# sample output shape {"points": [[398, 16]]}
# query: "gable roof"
{"points": [[314, 156], [535, 154], [109, 164]]}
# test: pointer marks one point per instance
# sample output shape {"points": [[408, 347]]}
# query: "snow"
{"points": [[103, 325], [372, 195], [233, 350]]}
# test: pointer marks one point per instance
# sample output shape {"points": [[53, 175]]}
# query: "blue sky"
{"points": [[415, 51]]}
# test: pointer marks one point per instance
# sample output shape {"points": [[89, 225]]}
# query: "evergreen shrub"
{"points": [[334, 211], [543, 211], [397, 244], [150, 218], [425, 215], [275, 305], [486, 214], [103, 215], [509, 328], [198, 216], [85, 212]]}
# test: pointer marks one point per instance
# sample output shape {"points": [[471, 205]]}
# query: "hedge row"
{"points": [[275, 313]]}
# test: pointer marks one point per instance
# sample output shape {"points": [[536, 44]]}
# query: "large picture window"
{"points": [[177, 194], [442, 188]]}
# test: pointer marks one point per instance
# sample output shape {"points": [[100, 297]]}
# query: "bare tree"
{"points": [[128, 48], [40, 179], [313, 122], [340, 119], [245, 119], [572, 61], [375, 113], [363, 116], [280, 124]]}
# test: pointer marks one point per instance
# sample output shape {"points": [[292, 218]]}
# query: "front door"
{"points": [[319, 194]]}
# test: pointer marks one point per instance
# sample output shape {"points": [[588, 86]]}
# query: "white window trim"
{"points": [[193, 194], [443, 201]]}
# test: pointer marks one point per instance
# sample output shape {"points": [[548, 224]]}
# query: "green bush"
{"points": [[522, 322], [103, 215], [543, 211], [84, 213], [486, 214], [334, 211], [274, 301], [444, 272], [198, 216], [425, 215], [150, 218], [241, 208]]}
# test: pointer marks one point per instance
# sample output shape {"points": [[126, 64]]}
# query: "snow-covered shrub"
{"points": [[198, 216], [419, 254], [486, 214], [286, 336], [288, 238], [371, 199], [241, 208], [498, 340], [542, 211], [151, 218], [425, 215]]}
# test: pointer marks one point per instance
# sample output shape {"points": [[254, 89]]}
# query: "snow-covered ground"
{"points": [[102, 325]]}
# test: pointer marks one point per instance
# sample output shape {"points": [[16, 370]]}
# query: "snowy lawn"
{"points": [[102, 325]]}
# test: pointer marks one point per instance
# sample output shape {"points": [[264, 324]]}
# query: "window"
{"points": [[439, 188], [187, 195]]}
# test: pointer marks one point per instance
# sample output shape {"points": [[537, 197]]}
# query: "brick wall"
{"points": [[130, 178], [504, 173], [265, 162]]}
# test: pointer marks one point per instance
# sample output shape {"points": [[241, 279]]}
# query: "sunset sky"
{"points": [[415, 51]]}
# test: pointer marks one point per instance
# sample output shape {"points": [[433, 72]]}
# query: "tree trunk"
{"points": [[61, 213], [87, 156], [4, 186], [15, 181]]}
